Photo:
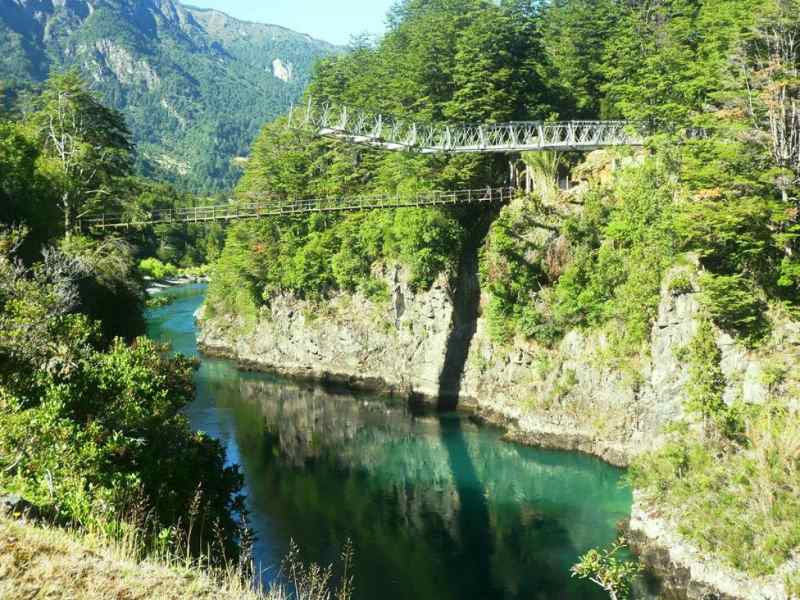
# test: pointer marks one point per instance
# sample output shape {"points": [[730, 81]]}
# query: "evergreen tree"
{"points": [[86, 146]]}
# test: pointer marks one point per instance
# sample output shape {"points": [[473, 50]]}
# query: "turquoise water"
{"points": [[436, 506]]}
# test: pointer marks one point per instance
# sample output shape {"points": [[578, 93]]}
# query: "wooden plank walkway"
{"points": [[260, 208]]}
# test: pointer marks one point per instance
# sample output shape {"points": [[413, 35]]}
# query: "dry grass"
{"points": [[43, 562], [40, 562]]}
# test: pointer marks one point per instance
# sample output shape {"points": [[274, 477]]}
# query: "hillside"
{"points": [[649, 315], [195, 85]]}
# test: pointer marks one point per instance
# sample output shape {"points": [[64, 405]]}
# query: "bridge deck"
{"points": [[360, 127], [271, 208]]}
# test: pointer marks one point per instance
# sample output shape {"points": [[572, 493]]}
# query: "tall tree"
{"points": [[577, 34], [497, 74], [86, 146]]}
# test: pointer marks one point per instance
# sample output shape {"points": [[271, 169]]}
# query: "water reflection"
{"points": [[436, 506]]}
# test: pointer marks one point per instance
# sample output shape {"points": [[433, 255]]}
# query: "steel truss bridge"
{"points": [[361, 127], [270, 207]]}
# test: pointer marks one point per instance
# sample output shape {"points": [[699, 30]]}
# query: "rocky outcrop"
{"points": [[110, 59], [576, 397], [397, 346], [281, 70], [572, 396], [682, 572]]}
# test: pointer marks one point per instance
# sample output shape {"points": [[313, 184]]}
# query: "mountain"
{"points": [[195, 85]]}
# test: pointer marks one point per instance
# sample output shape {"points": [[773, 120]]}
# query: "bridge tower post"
{"points": [[528, 180]]}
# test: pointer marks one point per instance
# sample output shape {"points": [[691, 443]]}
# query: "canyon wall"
{"points": [[572, 396]]}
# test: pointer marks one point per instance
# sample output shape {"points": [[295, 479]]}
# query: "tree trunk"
{"points": [[67, 216]]}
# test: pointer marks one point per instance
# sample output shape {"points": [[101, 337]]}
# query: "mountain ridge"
{"points": [[194, 84]]}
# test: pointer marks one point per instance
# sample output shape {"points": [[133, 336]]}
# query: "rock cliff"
{"points": [[571, 396]]}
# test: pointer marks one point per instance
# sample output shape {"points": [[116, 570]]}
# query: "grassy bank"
{"points": [[41, 561], [47, 562]]}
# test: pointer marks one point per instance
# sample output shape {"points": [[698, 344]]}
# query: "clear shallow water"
{"points": [[436, 506]]}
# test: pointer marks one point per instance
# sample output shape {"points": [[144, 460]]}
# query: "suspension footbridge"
{"points": [[271, 207]]}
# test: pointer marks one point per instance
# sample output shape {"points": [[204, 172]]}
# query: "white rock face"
{"points": [[282, 70], [117, 60]]}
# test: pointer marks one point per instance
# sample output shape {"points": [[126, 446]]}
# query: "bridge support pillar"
{"points": [[528, 180]]}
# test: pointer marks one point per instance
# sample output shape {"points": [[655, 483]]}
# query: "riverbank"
{"points": [[400, 481], [155, 286], [567, 398], [686, 573], [42, 561], [573, 396], [524, 429]]}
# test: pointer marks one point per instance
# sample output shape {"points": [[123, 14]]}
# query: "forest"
{"points": [[556, 61]]}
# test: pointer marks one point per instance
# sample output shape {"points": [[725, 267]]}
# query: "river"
{"points": [[436, 505]]}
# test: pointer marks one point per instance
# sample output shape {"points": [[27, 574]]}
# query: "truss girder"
{"points": [[360, 127]]}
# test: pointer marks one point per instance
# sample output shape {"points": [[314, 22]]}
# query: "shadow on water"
{"points": [[474, 522], [466, 307], [436, 506]]}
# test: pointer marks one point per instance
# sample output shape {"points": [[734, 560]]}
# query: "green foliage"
{"points": [[606, 267], [107, 284], [85, 146], [429, 242], [314, 256], [739, 501], [706, 385], [158, 301], [152, 267], [617, 274], [24, 197], [604, 568], [689, 63], [544, 167], [735, 305], [425, 68], [680, 284], [185, 245], [96, 436], [657, 67], [513, 272], [195, 90], [577, 36]]}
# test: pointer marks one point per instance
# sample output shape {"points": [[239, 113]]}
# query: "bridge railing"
{"points": [[255, 206], [361, 127]]}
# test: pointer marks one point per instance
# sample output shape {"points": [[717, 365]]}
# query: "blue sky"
{"points": [[330, 20]]}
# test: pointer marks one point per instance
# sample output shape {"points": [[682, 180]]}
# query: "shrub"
{"points": [[109, 288], [735, 305], [620, 245], [706, 385], [605, 568], [738, 501], [680, 285], [152, 267], [93, 436]]}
